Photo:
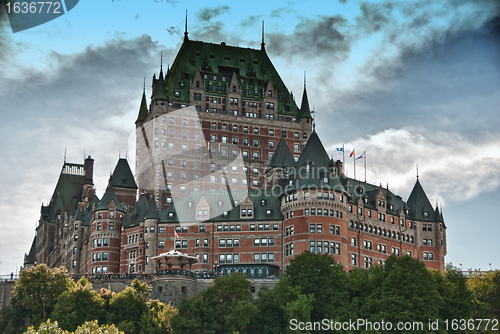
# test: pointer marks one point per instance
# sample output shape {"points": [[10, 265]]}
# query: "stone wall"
{"points": [[6, 289]]}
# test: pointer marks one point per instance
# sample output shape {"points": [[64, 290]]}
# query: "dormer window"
{"points": [[177, 94], [111, 214], [263, 202], [426, 214]]}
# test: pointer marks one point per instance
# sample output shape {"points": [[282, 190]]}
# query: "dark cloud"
{"points": [[5, 40], [173, 31], [250, 21], [325, 36], [280, 11], [207, 14], [374, 16]]}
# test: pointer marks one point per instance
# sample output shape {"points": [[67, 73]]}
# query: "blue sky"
{"points": [[410, 82]]}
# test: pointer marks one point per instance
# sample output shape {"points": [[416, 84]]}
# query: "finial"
{"points": [[262, 44], [417, 171], [65, 155], [186, 27], [144, 86], [304, 80], [314, 118], [161, 60], [119, 154]]}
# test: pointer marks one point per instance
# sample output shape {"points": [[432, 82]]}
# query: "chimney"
{"points": [[89, 171]]}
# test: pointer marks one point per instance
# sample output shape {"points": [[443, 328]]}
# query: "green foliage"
{"points": [[322, 277], [402, 291], [6, 324], [485, 289], [127, 307], [77, 305], [156, 319], [225, 307], [36, 293], [89, 327], [458, 300], [279, 305]]}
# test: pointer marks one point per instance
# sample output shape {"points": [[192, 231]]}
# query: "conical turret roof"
{"points": [[143, 109], [152, 212], [282, 156], [419, 204], [304, 111], [108, 197], [122, 176]]}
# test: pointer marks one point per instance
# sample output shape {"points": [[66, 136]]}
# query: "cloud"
{"points": [[451, 167], [208, 14], [250, 21], [326, 36]]}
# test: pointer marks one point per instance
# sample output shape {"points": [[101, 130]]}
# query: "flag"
{"points": [[339, 149], [352, 153], [361, 156], [176, 235]]}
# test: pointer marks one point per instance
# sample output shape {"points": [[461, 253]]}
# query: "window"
{"points": [[75, 251], [353, 259], [256, 131], [105, 242], [245, 129], [353, 241], [256, 257]]}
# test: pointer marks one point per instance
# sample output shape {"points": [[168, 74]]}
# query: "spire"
{"points": [[417, 171], [160, 91], [186, 28], [143, 109], [304, 111], [262, 45]]}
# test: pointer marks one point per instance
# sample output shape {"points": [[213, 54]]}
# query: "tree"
{"points": [[77, 305], [403, 290], [485, 289], [36, 293], [277, 306], [89, 327], [127, 307], [457, 298], [225, 307], [322, 277], [156, 319]]}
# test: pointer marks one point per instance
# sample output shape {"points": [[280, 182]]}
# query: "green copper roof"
{"points": [[143, 109], [160, 92], [139, 212], [122, 176], [31, 258], [304, 112], [107, 198], [418, 203], [263, 200], [315, 152], [252, 67], [152, 212], [282, 156], [67, 193]]}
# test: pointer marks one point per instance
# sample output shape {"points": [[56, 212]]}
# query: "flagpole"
{"points": [[354, 155], [343, 156], [364, 153]]}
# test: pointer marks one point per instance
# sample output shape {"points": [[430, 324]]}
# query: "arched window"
{"points": [[197, 84], [234, 89]]}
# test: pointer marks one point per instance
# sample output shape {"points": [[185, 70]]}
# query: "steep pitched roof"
{"points": [[304, 112], [253, 66], [282, 156], [67, 193], [418, 203], [31, 258], [315, 152], [143, 109], [107, 198], [152, 212], [160, 92], [122, 176]]}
